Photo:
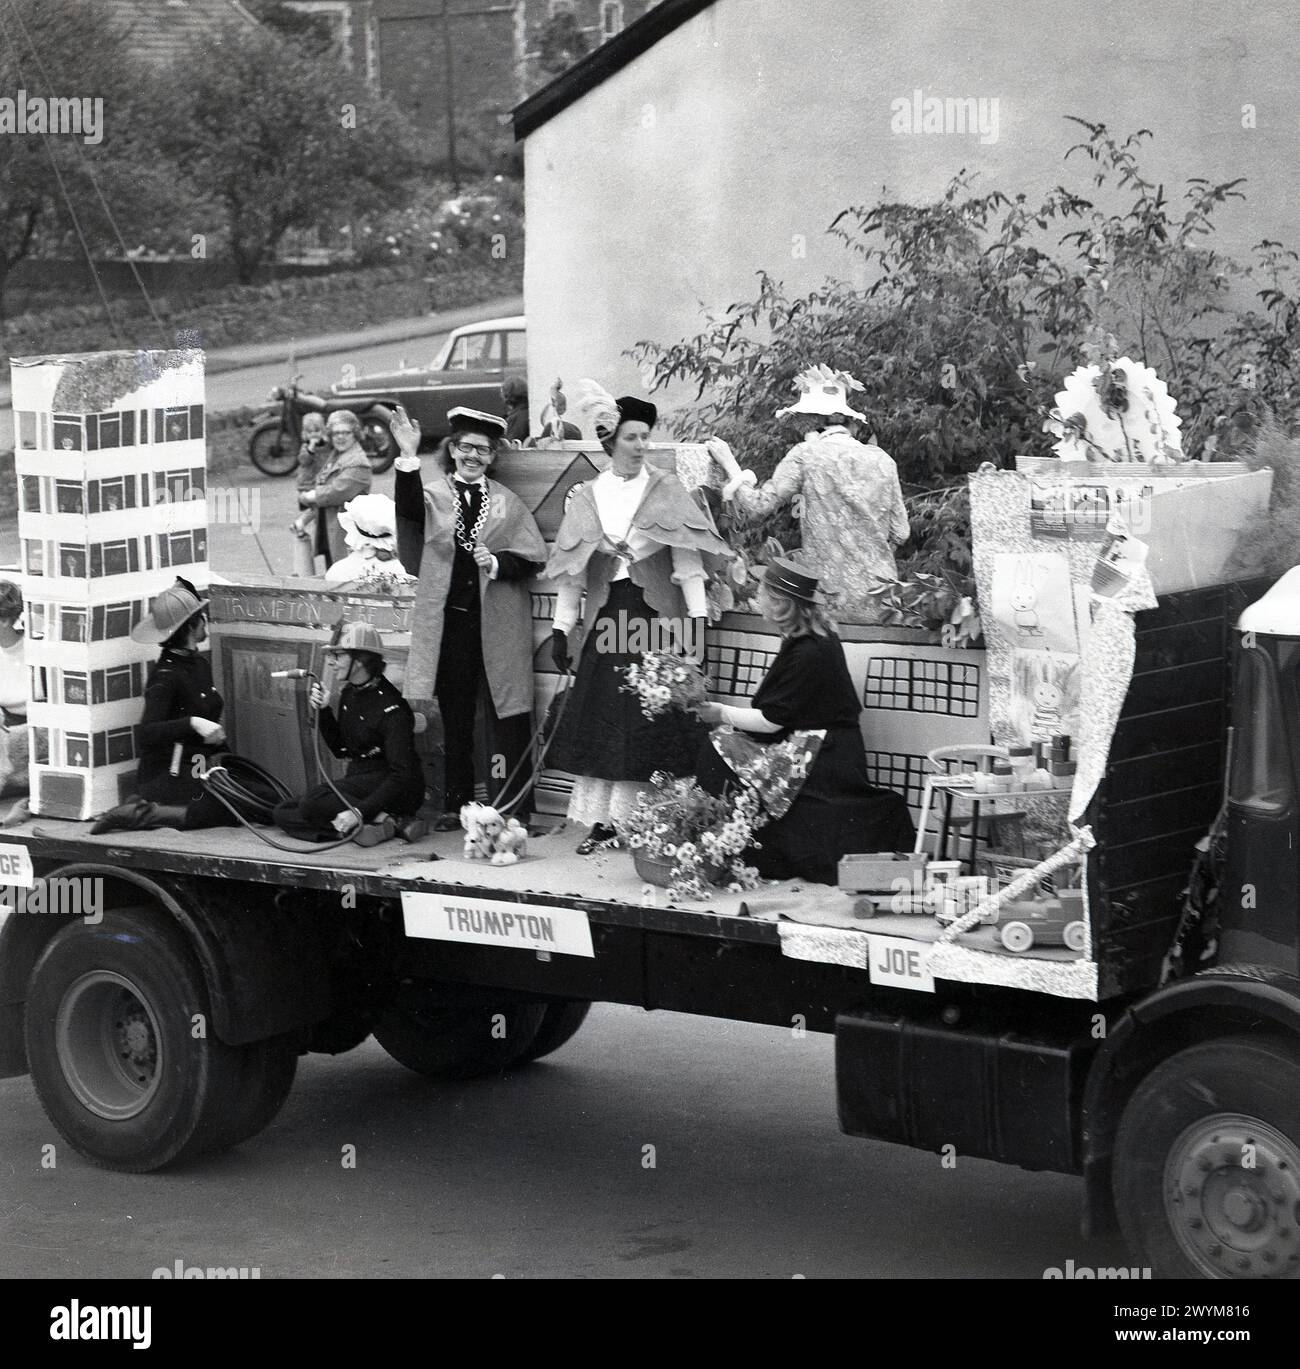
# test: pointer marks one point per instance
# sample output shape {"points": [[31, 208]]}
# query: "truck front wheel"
{"points": [[1207, 1162], [122, 1052], [458, 1041]]}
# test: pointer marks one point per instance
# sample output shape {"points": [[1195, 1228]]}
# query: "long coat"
{"points": [[507, 605], [668, 515], [340, 477]]}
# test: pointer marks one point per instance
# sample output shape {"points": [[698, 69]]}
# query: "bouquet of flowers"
{"points": [[772, 774], [701, 834], [1118, 410], [663, 680]]}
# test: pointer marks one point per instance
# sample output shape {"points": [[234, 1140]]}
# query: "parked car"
{"points": [[468, 370]]}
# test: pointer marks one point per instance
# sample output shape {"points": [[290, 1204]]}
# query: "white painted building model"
{"points": [[111, 468]]}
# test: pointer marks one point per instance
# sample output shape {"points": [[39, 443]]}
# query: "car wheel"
{"points": [[381, 445], [1073, 936]]}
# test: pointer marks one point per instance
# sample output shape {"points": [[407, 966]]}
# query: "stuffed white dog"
{"points": [[490, 837]]}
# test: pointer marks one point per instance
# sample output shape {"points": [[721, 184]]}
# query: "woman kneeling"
{"points": [[837, 811]]}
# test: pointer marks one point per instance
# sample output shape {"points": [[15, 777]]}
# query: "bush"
{"points": [[978, 307], [484, 223]]}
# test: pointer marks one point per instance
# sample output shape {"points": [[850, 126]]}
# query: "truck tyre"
{"points": [[459, 1042], [1207, 1162], [121, 1048], [269, 1068], [560, 1022]]}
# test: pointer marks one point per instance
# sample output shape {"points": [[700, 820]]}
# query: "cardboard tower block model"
{"points": [[111, 468]]}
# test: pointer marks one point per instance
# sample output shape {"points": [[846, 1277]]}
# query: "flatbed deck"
{"points": [[804, 921]]}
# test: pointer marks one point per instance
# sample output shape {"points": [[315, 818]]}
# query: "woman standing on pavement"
{"points": [[344, 473], [475, 547]]}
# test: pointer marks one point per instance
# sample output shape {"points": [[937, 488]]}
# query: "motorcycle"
{"points": [[277, 433]]}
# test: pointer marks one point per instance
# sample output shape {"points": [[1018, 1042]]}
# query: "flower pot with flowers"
{"points": [[685, 840]]}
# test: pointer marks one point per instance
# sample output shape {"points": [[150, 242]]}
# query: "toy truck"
{"points": [[170, 1022]]}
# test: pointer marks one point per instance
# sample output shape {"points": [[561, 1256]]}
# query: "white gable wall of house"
{"points": [[730, 145]]}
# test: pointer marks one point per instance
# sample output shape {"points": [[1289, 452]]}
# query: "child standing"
{"points": [[310, 455]]}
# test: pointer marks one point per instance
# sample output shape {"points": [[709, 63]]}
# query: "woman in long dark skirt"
{"points": [[637, 547], [837, 810]]}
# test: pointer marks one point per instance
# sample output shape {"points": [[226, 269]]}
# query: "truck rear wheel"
{"points": [[459, 1041], [1207, 1162], [268, 1071], [561, 1021], [121, 1048]]}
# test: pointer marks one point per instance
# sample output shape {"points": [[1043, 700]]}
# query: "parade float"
{"points": [[1025, 751]]}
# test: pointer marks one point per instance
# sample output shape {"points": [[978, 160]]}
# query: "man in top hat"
{"points": [[374, 728], [475, 547], [849, 502]]}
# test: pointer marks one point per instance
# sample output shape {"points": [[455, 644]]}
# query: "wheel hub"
{"points": [[109, 1044], [1232, 1193]]}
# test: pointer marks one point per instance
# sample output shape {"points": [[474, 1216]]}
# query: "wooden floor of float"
{"points": [[551, 871]]}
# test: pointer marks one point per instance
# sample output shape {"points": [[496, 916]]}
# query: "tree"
{"points": [[51, 184], [273, 138]]}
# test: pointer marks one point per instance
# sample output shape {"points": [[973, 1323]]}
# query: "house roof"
{"points": [[158, 30], [597, 66]]}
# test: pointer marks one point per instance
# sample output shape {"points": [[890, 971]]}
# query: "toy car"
{"points": [[1057, 921]]}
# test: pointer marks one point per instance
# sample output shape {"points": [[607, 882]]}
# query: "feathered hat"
{"points": [[823, 391]]}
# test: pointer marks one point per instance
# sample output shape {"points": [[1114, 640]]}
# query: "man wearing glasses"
{"points": [[474, 546]]}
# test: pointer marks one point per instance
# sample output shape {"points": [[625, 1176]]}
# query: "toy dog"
{"points": [[491, 837]]}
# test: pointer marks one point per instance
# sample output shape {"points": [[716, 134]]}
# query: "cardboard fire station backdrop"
{"points": [[111, 467]]}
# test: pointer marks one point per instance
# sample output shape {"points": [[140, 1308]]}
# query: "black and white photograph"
{"points": [[649, 640]]}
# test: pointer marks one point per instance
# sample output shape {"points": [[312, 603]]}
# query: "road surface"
{"points": [[650, 1146]]}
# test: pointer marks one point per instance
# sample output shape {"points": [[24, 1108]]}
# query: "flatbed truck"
{"points": [[169, 1022]]}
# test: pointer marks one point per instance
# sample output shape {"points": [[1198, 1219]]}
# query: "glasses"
{"points": [[470, 449]]}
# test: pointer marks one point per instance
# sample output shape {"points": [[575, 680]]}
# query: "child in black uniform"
{"points": [[375, 729], [181, 730]]}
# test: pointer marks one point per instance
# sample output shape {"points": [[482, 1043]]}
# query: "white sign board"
{"points": [[492, 922], [16, 865], [899, 962]]}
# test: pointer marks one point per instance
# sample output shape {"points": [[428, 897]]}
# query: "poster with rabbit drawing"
{"points": [[1044, 694], [1033, 601]]}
